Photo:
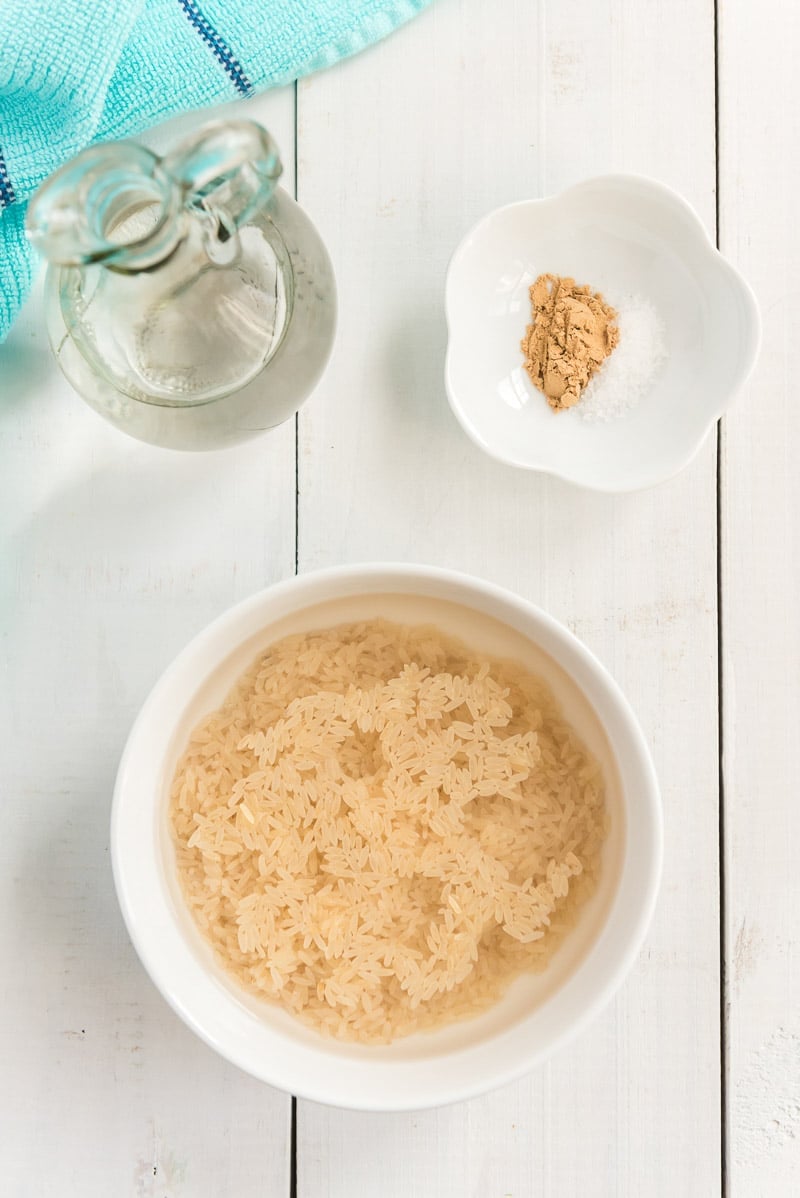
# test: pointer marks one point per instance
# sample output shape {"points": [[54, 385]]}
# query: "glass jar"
{"points": [[190, 300]]}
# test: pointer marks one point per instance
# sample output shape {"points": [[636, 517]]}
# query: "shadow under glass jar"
{"points": [[190, 300]]}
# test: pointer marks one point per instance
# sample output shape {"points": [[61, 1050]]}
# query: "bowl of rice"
{"points": [[386, 836]]}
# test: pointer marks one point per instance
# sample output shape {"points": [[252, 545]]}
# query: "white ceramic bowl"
{"points": [[539, 1012], [623, 235]]}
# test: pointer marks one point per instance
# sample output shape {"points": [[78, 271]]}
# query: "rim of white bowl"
{"points": [[750, 354], [311, 1071]]}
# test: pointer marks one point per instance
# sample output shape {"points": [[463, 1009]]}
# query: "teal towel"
{"points": [[77, 71]]}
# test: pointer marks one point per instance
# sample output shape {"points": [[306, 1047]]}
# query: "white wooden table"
{"points": [[115, 554]]}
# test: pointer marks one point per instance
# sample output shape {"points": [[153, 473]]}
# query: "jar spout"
{"points": [[120, 205], [113, 204]]}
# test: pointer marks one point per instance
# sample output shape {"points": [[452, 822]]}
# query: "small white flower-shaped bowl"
{"points": [[622, 235]]}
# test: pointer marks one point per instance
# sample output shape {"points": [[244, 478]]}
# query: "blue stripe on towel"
{"points": [[221, 51], [6, 190]]}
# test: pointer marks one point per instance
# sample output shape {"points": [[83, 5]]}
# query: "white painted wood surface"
{"points": [[759, 229], [514, 101], [115, 554]]}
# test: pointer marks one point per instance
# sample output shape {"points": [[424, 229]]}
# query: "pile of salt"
{"points": [[628, 372]]}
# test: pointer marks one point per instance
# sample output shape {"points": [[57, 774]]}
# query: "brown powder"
{"points": [[572, 334]]}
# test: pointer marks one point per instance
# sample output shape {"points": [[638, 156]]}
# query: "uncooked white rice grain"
{"points": [[380, 829]]}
